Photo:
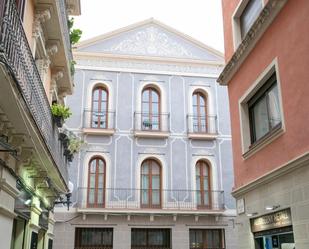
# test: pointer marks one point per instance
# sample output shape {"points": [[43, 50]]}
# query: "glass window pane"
{"points": [[145, 182], [155, 238], [155, 109], [155, 97], [103, 95], [202, 101], [194, 99], [145, 96], [156, 182], [101, 166], [156, 197], [145, 194], [155, 168], [96, 95], [100, 196], [261, 126], [274, 106], [139, 237], [93, 166], [145, 107], [91, 196], [101, 181], [249, 15], [92, 181], [145, 168]]}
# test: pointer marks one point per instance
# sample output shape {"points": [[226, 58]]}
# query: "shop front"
{"points": [[273, 231]]}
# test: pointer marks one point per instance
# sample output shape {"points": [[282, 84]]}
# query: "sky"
{"points": [[200, 19]]}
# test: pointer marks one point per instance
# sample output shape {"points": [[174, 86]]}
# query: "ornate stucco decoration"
{"points": [[54, 78], [268, 14], [151, 42], [39, 18]]}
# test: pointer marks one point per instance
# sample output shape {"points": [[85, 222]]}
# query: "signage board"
{"points": [[278, 219]]}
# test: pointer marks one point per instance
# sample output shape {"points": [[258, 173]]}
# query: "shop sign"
{"points": [[270, 221]]}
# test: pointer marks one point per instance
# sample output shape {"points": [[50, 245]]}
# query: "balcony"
{"points": [[142, 200], [152, 125], [99, 122], [202, 127], [16, 56]]}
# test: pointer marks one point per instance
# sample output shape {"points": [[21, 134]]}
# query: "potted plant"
{"points": [[73, 147], [60, 113]]}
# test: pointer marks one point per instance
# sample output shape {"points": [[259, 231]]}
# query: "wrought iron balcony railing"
{"points": [[99, 119], [152, 122], [16, 55], [117, 198], [202, 124]]}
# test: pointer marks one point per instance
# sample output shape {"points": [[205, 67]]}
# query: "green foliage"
{"points": [[75, 34], [75, 144], [61, 111], [72, 67]]}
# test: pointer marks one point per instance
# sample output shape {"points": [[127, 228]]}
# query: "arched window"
{"points": [[96, 183], [150, 184], [202, 180], [150, 109], [99, 108], [199, 101]]}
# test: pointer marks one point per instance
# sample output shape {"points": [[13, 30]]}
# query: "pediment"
{"points": [[150, 39]]}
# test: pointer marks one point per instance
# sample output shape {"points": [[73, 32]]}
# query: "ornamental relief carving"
{"points": [[153, 42]]}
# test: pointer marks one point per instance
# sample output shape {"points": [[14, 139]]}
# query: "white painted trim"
{"points": [[144, 71], [243, 106]]}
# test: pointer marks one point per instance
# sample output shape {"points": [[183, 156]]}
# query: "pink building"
{"points": [[267, 58]]}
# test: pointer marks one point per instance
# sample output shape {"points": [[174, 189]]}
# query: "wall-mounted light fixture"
{"points": [[271, 208], [27, 202]]}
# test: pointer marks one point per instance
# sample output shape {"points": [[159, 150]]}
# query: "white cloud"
{"points": [[201, 19]]}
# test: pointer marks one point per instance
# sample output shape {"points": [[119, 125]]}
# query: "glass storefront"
{"points": [[273, 231], [275, 239]]}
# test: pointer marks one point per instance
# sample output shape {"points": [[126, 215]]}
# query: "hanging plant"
{"points": [[60, 113]]}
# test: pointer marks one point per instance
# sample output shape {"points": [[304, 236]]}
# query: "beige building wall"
{"points": [[28, 21], [288, 191], [67, 222]]}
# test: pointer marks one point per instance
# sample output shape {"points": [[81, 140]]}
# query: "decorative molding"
{"points": [[151, 41], [4, 185], [52, 49], [6, 212], [268, 14], [40, 17], [140, 66]]}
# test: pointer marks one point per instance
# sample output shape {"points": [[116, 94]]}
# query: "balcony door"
{"points": [[150, 109], [202, 180], [96, 183], [150, 184], [99, 110], [199, 112]]}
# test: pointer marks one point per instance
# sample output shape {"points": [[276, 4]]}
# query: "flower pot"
{"points": [[66, 152], [58, 121], [70, 157]]}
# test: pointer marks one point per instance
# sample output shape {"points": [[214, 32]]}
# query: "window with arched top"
{"points": [[199, 101], [151, 184], [203, 185], [99, 108], [150, 109], [96, 182]]}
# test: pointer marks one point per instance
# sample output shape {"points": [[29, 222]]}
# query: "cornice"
{"points": [[89, 55], [302, 160], [268, 14]]}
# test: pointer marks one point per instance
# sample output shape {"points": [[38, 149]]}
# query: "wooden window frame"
{"points": [[78, 237], [262, 93], [199, 165], [150, 105], [199, 116], [149, 175], [95, 204], [148, 230], [100, 88], [204, 236]]}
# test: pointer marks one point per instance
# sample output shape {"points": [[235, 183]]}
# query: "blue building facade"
{"points": [[156, 166]]}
